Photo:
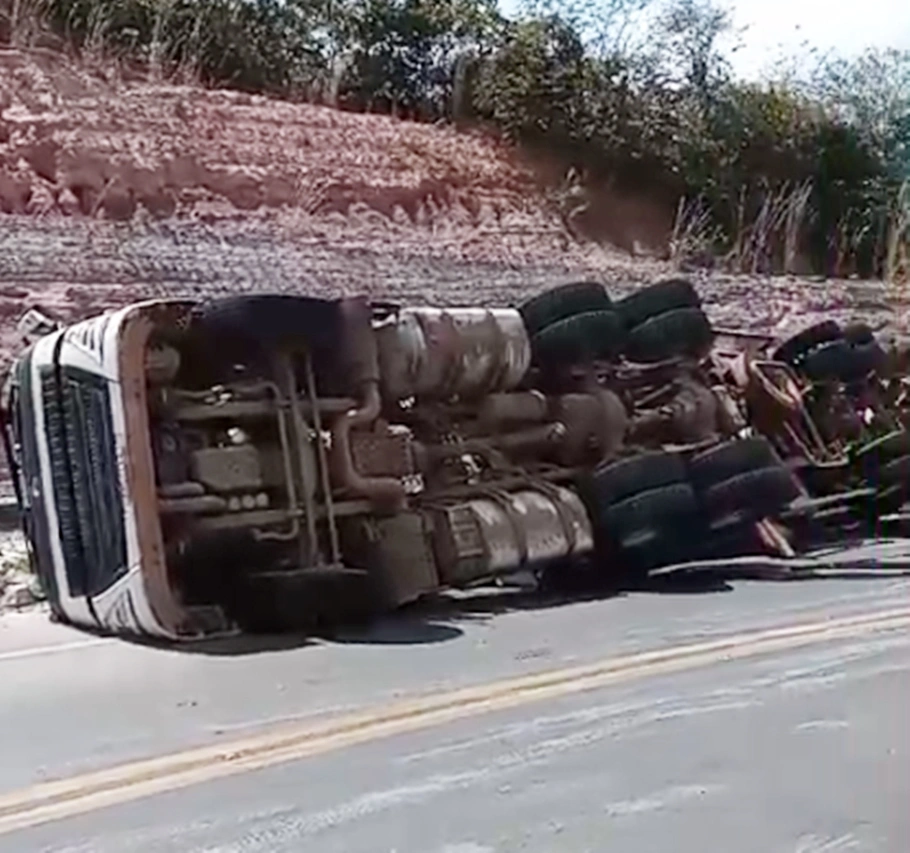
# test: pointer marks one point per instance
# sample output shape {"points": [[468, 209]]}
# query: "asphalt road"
{"points": [[805, 750]]}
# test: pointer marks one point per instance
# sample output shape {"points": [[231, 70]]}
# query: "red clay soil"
{"points": [[75, 144]]}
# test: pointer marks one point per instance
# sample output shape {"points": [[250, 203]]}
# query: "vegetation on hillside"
{"points": [[770, 176]]}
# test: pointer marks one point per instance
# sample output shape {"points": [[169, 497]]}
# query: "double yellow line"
{"points": [[88, 792]]}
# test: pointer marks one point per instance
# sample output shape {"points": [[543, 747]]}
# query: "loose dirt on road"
{"points": [[18, 587]]}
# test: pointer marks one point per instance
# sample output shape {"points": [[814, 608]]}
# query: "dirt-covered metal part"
{"points": [[500, 531]]}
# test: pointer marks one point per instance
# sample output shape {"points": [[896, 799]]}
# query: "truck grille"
{"points": [[80, 436]]}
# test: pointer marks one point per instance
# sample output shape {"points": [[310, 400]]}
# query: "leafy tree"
{"points": [[256, 46], [688, 36], [872, 94], [535, 86], [605, 27], [404, 52]]}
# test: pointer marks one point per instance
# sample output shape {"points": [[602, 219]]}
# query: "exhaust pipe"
{"points": [[359, 350], [386, 493]]}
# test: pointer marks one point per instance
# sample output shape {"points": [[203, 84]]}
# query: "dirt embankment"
{"points": [[73, 143]]}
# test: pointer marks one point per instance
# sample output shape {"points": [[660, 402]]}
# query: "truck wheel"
{"points": [[842, 361], [831, 360], [761, 493], [671, 545], [616, 481], [562, 302], [729, 459], [868, 358], [681, 332], [794, 349], [657, 299], [644, 513], [578, 339], [859, 333], [267, 319], [645, 517]]}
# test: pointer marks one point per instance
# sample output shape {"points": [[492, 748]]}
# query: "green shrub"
{"points": [[262, 46]]}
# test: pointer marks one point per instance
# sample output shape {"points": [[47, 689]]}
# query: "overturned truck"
{"points": [[276, 462]]}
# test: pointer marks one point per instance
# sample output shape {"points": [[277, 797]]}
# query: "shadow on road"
{"points": [[427, 622], [438, 619], [401, 630], [409, 628], [695, 583], [233, 646]]}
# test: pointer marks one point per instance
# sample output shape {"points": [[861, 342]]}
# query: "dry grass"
{"points": [[897, 258], [693, 236], [23, 21], [770, 242]]}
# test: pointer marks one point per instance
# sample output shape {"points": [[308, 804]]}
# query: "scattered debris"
{"points": [[19, 588]]}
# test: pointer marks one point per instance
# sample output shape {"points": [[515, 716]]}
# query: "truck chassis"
{"points": [[271, 462]]}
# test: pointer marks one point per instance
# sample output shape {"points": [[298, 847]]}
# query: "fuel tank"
{"points": [[442, 353], [504, 532]]}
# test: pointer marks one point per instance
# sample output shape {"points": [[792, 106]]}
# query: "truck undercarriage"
{"points": [[281, 462]]}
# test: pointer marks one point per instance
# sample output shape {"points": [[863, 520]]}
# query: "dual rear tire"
{"points": [[578, 322], [572, 324], [643, 509], [665, 321], [660, 508]]}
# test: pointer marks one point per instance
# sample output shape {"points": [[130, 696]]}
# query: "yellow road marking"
{"points": [[50, 801]]}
